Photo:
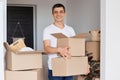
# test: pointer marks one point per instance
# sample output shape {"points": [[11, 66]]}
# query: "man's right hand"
{"points": [[64, 52]]}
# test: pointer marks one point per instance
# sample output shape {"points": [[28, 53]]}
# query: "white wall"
{"points": [[2, 35], [103, 39], [110, 25], [43, 15], [84, 15]]}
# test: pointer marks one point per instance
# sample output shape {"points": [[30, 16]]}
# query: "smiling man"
{"points": [[50, 42]]}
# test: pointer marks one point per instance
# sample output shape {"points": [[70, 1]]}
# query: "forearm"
{"points": [[50, 49], [61, 51]]}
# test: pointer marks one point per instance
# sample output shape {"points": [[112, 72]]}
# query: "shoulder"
{"points": [[70, 30], [48, 27]]}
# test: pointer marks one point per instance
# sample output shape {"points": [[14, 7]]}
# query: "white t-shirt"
{"points": [[51, 29]]}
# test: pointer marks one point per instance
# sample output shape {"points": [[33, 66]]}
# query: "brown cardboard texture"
{"points": [[95, 35], [76, 43], [69, 67], [23, 60], [94, 48], [36, 74], [17, 45], [6, 45]]}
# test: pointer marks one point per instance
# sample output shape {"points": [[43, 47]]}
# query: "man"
{"points": [[50, 42]]}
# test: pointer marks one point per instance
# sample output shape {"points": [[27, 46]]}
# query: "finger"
{"points": [[69, 54], [67, 47], [64, 57]]}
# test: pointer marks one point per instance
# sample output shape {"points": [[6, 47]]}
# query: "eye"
{"points": [[61, 11], [55, 12]]}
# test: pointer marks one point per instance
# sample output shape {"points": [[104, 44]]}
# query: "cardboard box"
{"points": [[76, 43], [24, 75], [73, 66], [94, 48], [95, 35], [23, 60]]}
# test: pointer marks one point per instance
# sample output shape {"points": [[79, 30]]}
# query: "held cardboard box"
{"points": [[76, 43], [94, 48], [24, 75], [73, 66], [22, 60]]}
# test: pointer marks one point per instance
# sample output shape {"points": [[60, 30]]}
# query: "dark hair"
{"points": [[57, 6]]}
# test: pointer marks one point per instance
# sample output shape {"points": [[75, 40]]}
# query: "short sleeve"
{"points": [[46, 34], [72, 32]]}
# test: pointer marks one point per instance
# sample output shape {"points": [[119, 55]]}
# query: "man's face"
{"points": [[58, 14]]}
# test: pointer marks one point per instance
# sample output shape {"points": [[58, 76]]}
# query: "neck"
{"points": [[59, 25]]}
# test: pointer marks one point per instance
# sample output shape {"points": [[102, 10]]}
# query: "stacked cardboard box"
{"points": [[94, 48], [78, 64], [95, 35], [93, 45], [35, 74], [22, 65]]}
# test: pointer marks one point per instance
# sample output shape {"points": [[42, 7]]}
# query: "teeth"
{"points": [[58, 17]]}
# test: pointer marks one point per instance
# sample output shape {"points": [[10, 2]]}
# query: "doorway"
{"points": [[20, 24]]}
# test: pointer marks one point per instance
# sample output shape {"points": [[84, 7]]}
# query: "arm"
{"points": [[61, 51], [48, 48]]}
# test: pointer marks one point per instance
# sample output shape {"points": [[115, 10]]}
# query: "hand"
{"points": [[64, 52]]}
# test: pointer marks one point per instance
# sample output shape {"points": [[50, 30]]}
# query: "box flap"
{"points": [[17, 45], [28, 52], [6, 45], [94, 31], [82, 35], [59, 35]]}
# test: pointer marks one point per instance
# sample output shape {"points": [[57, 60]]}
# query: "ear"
{"points": [[52, 14], [99, 31], [89, 31], [65, 13]]}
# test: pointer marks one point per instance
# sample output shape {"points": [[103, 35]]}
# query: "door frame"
{"points": [[2, 36], [34, 21]]}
